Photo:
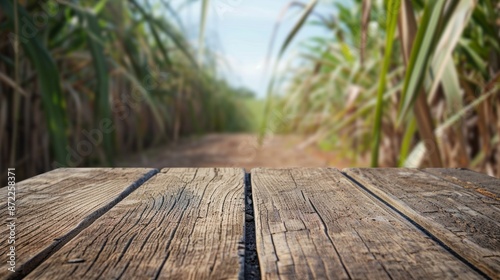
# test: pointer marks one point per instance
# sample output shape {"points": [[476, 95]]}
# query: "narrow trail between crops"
{"points": [[235, 150]]}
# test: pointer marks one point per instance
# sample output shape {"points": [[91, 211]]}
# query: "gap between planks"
{"points": [[251, 266], [422, 228], [354, 237], [445, 210], [38, 258], [249, 208]]}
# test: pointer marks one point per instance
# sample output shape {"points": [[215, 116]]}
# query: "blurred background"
{"points": [[166, 83]]}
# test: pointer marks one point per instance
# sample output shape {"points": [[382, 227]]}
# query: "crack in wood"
{"points": [[172, 234], [325, 229]]}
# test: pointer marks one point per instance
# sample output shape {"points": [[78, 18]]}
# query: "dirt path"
{"points": [[234, 150]]}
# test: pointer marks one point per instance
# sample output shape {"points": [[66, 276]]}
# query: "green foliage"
{"points": [[392, 11], [53, 100], [429, 32], [369, 105]]}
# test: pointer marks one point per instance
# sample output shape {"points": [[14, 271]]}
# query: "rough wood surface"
{"points": [[463, 219], [53, 207], [184, 223], [316, 223], [481, 183]]}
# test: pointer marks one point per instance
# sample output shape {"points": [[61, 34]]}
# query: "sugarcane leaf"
{"points": [[429, 30], [442, 66], [102, 100], [53, 100], [298, 25], [392, 12]]}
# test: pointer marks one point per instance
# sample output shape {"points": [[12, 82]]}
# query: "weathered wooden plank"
{"points": [[463, 219], [53, 207], [184, 223], [316, 223], [481, 183]]}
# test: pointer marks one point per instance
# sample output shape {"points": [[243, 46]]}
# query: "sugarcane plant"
{"points": [[401, 83], [83, 82]]}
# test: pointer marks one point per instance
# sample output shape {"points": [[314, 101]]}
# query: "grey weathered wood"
{"points": [[183, 223], [463, 219], [316, 223], [53, 207], [481, 183]]}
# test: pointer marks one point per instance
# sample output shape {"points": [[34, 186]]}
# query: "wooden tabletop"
{"points": [[220, 223]]}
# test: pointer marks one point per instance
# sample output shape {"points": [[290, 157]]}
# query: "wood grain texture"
{"points": [[53, 207], [184, 223], [481, 183], [463, 219], [316, 223]]}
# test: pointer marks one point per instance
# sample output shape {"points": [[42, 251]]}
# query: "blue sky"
{"points": [[240, 32]]}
